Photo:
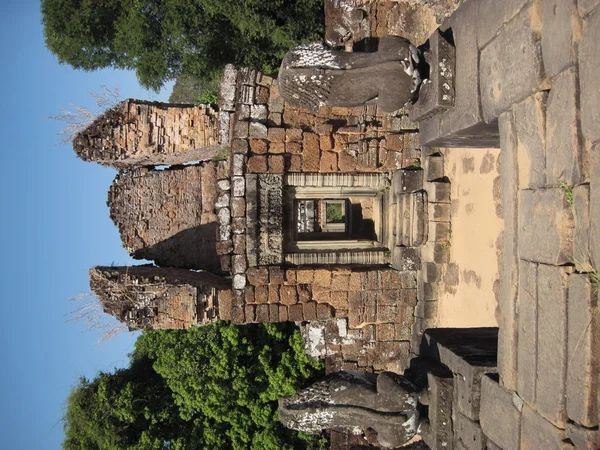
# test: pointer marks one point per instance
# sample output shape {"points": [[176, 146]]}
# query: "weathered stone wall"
{"points": [[139, 133], [366, 314], [158, 298], [167, 216]]}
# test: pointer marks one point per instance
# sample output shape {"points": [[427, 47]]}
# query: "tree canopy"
{"points": [[209, 387], [161, 39]]}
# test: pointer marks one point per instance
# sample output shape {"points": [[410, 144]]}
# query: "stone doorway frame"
{"points": [[334, 186]]}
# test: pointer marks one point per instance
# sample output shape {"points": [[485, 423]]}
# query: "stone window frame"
{"points": [[333, 186]]}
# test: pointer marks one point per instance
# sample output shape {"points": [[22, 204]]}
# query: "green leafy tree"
{"points": [[162, 39], [209, 387]]}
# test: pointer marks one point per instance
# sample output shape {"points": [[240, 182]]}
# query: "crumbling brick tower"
{"points": [[159, 298], [237, 216]]}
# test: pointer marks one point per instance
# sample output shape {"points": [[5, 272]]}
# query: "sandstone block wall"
{"points": [[548, 296], [138, 133], [167, 216]]}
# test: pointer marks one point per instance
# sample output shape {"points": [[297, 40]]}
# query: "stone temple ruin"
{"points": [[340, 218]]}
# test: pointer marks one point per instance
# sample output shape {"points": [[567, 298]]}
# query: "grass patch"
{"points": [[568, 192]]}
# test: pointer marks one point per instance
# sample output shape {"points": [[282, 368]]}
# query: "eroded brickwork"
{"points": [[138, 133], [167, 216], [159, 298], [366, 314]]}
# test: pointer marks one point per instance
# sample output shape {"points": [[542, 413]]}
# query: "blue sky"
{"points": [[55, 226]]}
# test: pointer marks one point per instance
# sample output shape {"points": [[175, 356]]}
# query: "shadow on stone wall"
{"points": [[194, 248]]}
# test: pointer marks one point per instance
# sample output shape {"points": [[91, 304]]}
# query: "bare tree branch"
{"points": [[78, 117]]}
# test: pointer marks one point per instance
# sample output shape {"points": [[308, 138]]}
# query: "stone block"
{"points": [[258, 276], [311, 153], [276, 147], [583, 438], [468, 353], [508, 76], [249, 311], [561, 31], [276, 135], [276, 164], [508, 263], [258, 146], [538, 433], [530, 123], [589, 61], [305, 276], [225, 304], [583, 351], [407, 181], [273, 312], [581, 240], [434, 168], [438, 192], [238, 316], [587, 6], [439, 212], [500, 414], [262, 313], [261, 294], [328, 162], [406, 258], [552, 343], [310, 310], [439, 434], [595, 204], [437, 94], [295, 313], [257, 130], [288, 295], [239, 281], [493, 15], [273, 293], [528, 323], [546, 226], [462, 125], [238, 264], [439, 231], [467, 433], [565, 159], [257, 164]]}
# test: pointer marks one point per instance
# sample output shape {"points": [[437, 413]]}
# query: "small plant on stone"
{"points": [[388, 254], [223, 155], [445, 245], [568, 192]]}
